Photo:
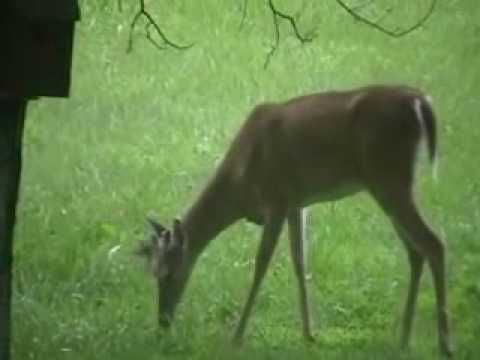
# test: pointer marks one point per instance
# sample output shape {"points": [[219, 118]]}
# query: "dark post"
{"points": [[11, 130], [36, 41]]}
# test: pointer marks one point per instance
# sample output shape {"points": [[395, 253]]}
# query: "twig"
{"points": [[276, 14], [393, 33], [384, 15], [244, 13], [149, 37], [132, 26], [142, 12], [361, 6]]}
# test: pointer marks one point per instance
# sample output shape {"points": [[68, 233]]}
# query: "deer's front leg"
{"points": [[296, 229], [271, 232]]}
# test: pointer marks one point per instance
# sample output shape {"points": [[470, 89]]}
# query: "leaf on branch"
{"points": [[143, 13]]}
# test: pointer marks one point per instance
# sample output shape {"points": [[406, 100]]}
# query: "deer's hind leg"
{"points": [[416, 261], [388, 170], [399, 204]]}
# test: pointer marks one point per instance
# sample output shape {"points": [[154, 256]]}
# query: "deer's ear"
{"points": [[178, 234], [158, 228]]}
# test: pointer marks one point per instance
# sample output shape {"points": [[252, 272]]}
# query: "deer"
{"points": [[289, 155]]}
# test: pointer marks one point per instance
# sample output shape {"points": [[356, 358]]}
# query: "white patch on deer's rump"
{"points": [[417, 106]]}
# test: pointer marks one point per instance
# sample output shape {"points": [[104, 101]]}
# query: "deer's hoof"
{"points": [[309, 338], [447, 352], [237, 341]]}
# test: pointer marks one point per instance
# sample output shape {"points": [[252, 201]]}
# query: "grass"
{"points": [[141, 134]]}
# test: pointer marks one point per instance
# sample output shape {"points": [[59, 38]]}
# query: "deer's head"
{"points": [[165, 252]]}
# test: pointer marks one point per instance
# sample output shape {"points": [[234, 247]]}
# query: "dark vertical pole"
{"points": [[12, 115]]}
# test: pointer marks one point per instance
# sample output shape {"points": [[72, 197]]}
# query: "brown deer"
{"points": [[288, 155]]}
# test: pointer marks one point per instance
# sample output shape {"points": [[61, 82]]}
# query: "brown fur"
{"points": [[315, 148]]}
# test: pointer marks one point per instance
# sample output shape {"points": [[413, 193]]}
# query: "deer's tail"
{"points": [[428, 126]]}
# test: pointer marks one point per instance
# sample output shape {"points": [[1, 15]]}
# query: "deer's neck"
{"points": [[212, 212]]}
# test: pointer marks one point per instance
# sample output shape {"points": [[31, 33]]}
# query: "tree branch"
{"points": [[361, 6], [142, 12], [278, 14], [376, 25], [244, 13], [148, 35]]}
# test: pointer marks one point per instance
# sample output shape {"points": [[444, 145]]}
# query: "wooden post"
{"points": [[12, 115]]}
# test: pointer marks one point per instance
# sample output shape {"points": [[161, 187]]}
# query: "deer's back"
{"points": [[312, 148]]}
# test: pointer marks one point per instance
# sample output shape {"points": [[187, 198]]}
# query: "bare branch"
{"points": [[277, 41], [142, 12], [361, 6], [132, 27], [384, 15], [150, 38], [244, 13], [278, 14], [376, 24]]}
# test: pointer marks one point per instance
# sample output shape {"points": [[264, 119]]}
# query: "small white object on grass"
{"points": [[112, 251]]}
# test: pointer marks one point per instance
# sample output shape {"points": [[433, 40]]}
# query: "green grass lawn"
{"points": [[142, 133]]}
